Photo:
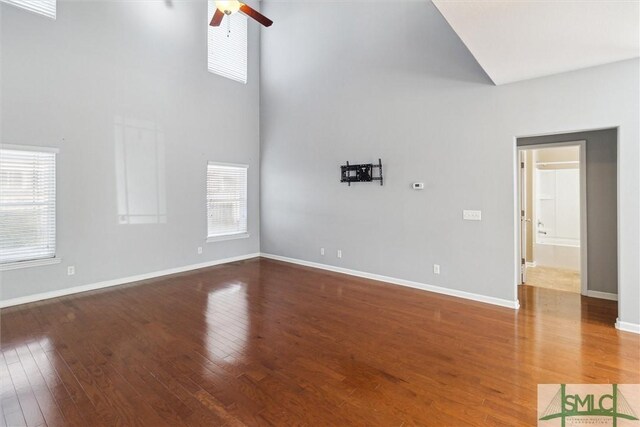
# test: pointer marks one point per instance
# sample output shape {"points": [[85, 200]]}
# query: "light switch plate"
{"points": [[472, 215]]}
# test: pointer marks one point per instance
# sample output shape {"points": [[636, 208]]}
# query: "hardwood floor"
{"points": [[262, 342]]}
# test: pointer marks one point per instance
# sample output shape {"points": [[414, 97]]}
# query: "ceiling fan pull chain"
{"points": [[228, 25]]}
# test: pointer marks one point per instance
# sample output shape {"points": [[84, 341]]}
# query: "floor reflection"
{"points": [[227, 323]]}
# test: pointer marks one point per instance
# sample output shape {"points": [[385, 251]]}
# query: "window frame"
{"points": [[235, 235], [55, 259]]}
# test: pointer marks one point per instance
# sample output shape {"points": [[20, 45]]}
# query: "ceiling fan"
{"points": [[227, 7]]}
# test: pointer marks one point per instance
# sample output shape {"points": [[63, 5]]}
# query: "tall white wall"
{"points": [[357, 81], [107, 75]]}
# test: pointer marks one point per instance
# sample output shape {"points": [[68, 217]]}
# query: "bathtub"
{"points": [[557, 252]]}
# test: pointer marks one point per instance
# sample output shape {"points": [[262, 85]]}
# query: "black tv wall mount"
{"points": [[361, 173]]}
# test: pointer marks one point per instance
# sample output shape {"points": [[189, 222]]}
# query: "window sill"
{"points": [[33, 263], [227, 237]]}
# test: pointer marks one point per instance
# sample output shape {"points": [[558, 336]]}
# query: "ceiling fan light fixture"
{"points": [[228, 6]]}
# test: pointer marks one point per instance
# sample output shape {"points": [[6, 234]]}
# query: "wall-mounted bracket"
{"points": [[361, 173]]}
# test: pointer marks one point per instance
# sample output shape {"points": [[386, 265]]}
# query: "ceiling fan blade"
{"points": [[217, 18], [255, 15]]}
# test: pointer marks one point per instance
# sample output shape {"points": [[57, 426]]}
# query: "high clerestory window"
{"points": [[227, 46]]}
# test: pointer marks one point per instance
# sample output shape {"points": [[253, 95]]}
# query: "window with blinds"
{"points": [[227, 46], [27, 204], [41, 7], [226, 200]]}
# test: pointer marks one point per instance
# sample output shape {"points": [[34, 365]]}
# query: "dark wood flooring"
{"points": [[262, 342]]}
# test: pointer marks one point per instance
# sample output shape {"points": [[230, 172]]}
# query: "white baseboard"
{"points": [[437, 289], [602, 295], [120, 281], [628, 327]]}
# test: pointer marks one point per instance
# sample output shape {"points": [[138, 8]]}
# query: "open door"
{"points": [[522, 188]]}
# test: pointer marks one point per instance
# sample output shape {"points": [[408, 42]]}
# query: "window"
{"points": [[226, 201], [227, 46], [42, 7], [27, 204]]}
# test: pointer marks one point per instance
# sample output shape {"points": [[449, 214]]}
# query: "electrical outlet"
{"points": [[436, 268], [322, 251], [71, 270], [199, 250], [339, 253]]}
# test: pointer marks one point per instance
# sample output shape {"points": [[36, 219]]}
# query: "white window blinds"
{"points": [[27, 205], [42, 7], [226, 199], [227, 46]]}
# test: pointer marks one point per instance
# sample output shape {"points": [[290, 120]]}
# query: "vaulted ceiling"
{"points": [[518, 40]]}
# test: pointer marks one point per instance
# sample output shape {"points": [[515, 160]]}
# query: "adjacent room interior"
{"points": [[318, 213], [550, 201]]}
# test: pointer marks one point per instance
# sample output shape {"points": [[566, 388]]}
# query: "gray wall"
{"points": [[397, 83], [70, 83], [602, 210]]}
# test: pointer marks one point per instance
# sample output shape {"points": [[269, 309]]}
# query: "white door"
{"points": [[523, 216]]}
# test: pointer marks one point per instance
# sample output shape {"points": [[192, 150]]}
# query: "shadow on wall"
{"points": [[140, 172]]}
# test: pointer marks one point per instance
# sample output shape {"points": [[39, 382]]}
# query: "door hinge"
{"points": [[522, 213], [522, 165], [522, 261]]}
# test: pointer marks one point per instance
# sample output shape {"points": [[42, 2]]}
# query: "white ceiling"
{"points": [[519, 39]]}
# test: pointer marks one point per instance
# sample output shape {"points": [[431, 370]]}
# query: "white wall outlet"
{"points": [[472, 215], [339, 253], [418, 185], [199, 250], [322, 251], [436, 268], [71, 270]]}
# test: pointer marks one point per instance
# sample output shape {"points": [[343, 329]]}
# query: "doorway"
{"points": [[553, 223]]}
